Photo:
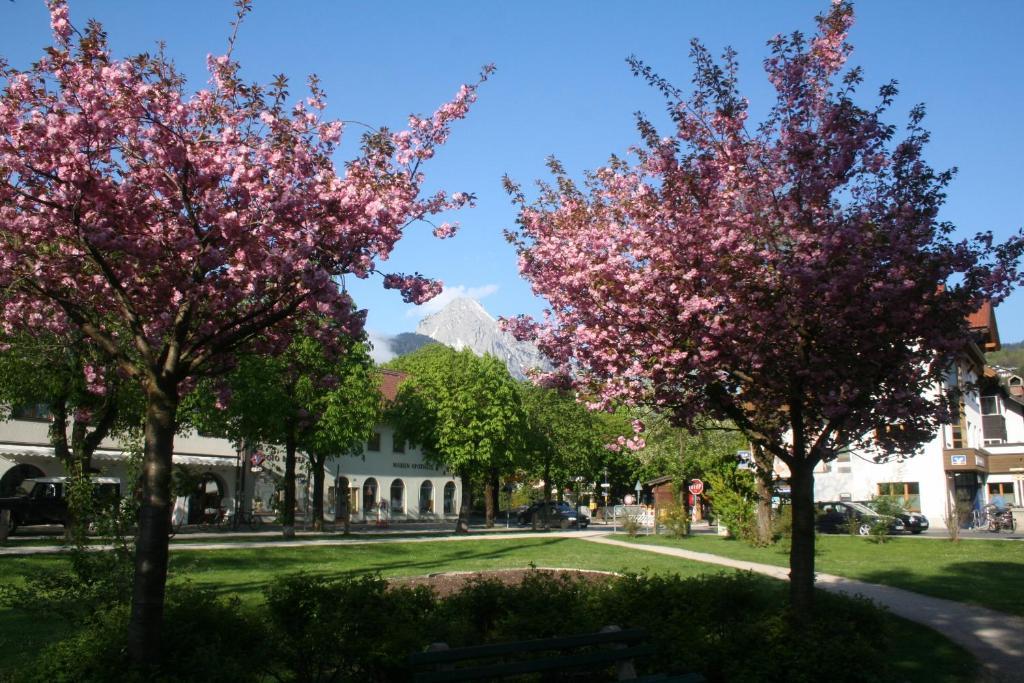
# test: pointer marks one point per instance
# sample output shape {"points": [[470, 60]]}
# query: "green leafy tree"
{"points": [[466, 413], [322, 401], [85, 406], [563, 440]]}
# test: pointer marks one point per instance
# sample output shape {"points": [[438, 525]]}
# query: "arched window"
{"points": [[397, 496], [449, 498], [369, 494], [13, 478], [206, 498], [426, 497]]}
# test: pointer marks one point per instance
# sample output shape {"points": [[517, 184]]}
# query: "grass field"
{"points": [[986, 573], [921, 654]]}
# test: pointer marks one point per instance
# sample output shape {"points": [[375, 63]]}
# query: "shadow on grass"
{"points": [[255, 568], [959, 581]]}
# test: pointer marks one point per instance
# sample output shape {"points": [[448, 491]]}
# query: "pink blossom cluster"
{"points": [[795, 279], [172, 225]]}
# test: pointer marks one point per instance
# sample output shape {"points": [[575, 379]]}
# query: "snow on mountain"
{"points": [[464, 323]]}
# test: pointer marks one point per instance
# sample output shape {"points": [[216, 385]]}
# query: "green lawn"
{"points": [[984, 573], [922, 655]]}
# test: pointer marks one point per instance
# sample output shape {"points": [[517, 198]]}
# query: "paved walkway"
{"points": [[994, 638]]}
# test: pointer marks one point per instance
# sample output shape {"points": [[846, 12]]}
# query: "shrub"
{"points": [[345, 629], [730, 627], [782, 522], [205, 638], [676, 521], [631, 525]]}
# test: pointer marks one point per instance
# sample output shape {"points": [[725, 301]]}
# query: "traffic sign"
{"points": [[696, 487]]}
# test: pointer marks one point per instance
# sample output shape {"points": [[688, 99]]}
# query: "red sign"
{"points": [[696, 487]]}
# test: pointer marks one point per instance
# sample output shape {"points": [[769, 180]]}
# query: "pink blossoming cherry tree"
{"points": [[173, 227], [794, 277]]}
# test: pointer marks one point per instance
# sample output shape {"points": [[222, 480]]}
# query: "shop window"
{"points": [[373, 444], [1002, 490], [449, 498], [398, 496], [369, 494], [907, 493], [426, 497]]}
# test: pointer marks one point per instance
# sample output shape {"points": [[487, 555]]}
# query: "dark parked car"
{"points": [[46, 501], [560, 514], [835, 517], [914, 522]]}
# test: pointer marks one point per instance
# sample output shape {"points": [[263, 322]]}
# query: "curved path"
{"points": [[994, 638]]}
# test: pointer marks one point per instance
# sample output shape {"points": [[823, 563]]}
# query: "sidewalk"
{"points": [[994, 638]]}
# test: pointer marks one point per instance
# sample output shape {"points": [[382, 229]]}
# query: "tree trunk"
{"points": [[546, 510], [801, 555], [496, 490], [462, 526], [288, 513], [763, 479], [489, 502], [150, 581], [317, 461]]}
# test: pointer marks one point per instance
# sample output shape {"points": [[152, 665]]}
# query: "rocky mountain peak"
{"points": [[464, 323]]}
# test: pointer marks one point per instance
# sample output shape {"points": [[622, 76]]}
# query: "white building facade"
{"points": [[387, 471], [977, 459]]}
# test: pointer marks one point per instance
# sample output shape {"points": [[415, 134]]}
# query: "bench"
{"points": [[588, 651]]}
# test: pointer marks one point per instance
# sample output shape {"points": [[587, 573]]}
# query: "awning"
{"points": [[16, 451]]}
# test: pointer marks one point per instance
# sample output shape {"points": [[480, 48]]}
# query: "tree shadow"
{"points": [[401, 558], [995, 585]]}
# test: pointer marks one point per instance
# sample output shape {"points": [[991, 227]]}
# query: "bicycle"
{"points": [[214, 518], [979, 519], [250, 520]]}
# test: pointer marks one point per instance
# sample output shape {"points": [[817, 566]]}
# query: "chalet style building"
{"points": [[976, 459]]}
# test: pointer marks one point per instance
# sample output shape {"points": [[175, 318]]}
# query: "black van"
{"points": [[46, 501]]}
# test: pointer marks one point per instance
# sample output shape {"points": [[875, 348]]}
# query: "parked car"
{"points": [[46, 501], [835, 517], [560, 514], [913, 522]]}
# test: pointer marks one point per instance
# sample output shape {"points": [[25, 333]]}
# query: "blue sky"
{"points": [[563, 88]]}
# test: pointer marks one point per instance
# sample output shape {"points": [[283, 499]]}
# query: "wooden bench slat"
{"points": [[596, 658], [539, 645]]}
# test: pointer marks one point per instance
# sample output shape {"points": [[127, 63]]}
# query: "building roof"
{"points": [[983, 322], [389, 383]]}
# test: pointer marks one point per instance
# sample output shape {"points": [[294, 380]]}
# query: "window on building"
{"points": [[1003, 490], [426, 497], [993, 442], [908, 493], [398, 445], [373, 444], [369, 494], [36, 411], [449, 498], [843, 461], [990, 405], [398, 496]]}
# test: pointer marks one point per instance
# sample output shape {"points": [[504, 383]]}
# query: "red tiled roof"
{"points": [[389, 381], [983, 321]]}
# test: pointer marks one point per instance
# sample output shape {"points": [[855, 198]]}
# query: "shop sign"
{"points": [[958, 460]]}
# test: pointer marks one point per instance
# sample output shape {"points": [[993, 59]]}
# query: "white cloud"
{"points": [[448, 295], [381, 351]]}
